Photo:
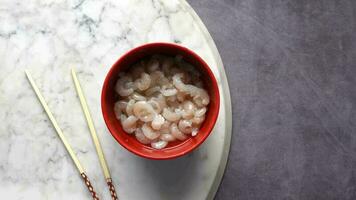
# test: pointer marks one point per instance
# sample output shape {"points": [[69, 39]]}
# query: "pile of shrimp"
{"points": [[161, 99]]}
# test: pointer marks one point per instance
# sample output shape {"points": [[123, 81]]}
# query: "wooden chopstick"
{"points": [[61, 136], [94, 136]]}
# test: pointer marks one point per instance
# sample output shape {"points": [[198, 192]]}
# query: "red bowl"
{"points": [[108, 99]]}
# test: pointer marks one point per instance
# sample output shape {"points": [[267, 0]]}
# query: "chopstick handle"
{"points": [[89, 186], [112, 189]]}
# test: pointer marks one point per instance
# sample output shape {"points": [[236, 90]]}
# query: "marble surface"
{"points": [[50, 37], [291, 66]]}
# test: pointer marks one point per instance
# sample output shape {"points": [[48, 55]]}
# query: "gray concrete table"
{"points": [[291, 67]]}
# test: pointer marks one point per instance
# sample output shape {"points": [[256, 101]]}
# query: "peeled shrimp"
{"points": [[167, 137], [119, 107], [198, 120], [166, 91], [144, 111], [188, 110], [123, 117], [165, 127], [138, 97], [159, 145], [200, 112], [161, 100], [170, 116], [176, 132], [185, 126], [201, 98], [155, 105], [149, 132], [195, 131], [141, 137], [163, 81], [129, 124], [143, 83], [124, 86], [156, 76], [157, 122], [178, 83], [129, 107], [152, 90]]}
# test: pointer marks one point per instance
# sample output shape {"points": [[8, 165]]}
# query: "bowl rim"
{"points": [[214, 86]]}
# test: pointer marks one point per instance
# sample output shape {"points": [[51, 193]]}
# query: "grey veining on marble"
{"points": [[291, 67], [49, 38]]}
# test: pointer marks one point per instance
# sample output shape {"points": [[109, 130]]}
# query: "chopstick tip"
{"points": [[27, 72]]}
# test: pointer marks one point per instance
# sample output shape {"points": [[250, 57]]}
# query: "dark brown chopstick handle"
{"points": [[112, 189], [89, 186]]}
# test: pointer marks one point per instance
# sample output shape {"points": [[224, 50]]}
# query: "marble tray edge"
{"points": [[224, 158]]}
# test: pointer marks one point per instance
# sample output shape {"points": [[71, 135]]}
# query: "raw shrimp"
{"points": [[159, 145], [129, 107], [163, 81], [165, 127], [156, 76], [138, 97], [129, 124], [185, 126], [119, 107], [201, 98], [198, 120], [168, 91], [161, 99], [143, 83], [188, 110], [195, 131], [149, 132], [167, 137], [144, 111], [157, 122], [124, 86], [178, 83], [200, 112], [177, 133], [155, 105], [123, 117], [141, 137], [152, 90], [170, 116]]}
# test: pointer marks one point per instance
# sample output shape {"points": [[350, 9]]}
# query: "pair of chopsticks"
{"points": [[67, 145]]}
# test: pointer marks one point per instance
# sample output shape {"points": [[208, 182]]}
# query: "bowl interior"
{"points": [[109, 98]]}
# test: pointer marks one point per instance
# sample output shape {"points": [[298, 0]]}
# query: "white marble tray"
{"points": [[50, 37]]}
